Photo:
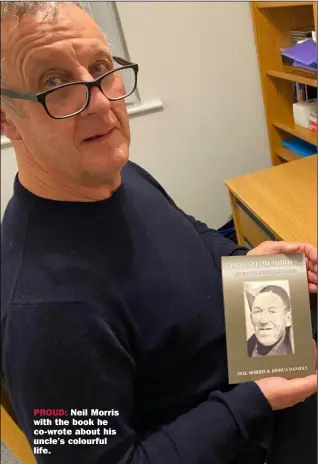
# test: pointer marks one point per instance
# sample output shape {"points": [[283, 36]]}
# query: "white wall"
{"points": [[8, 171], [200, 60]]}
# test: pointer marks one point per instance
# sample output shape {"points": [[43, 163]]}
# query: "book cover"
{"points": [[267, 316], [304, 53]]}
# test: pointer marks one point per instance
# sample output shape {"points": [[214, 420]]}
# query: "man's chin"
{"points": [[109, 159], [102, 173], [266, 341]]}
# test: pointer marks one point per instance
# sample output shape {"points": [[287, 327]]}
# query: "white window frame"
{"points": [[105, 14]]}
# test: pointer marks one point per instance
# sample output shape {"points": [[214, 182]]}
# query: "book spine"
{"points": [[294, 88], [301, 91]]}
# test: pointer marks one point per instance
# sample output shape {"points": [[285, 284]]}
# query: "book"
{"points": [[267, 316], [302, 92], [299, 92]]}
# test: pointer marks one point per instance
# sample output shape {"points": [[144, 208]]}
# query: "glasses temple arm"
{"points": [[18, 94]]}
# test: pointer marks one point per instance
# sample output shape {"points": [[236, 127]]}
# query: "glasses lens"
{"points": [[119, 84], [67, 100]]}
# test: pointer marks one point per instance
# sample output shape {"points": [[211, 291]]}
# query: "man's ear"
{"points": [[288, 318], [250, 299], [8, 127]]}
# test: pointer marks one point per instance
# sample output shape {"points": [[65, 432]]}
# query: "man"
{"points": [[112, 296], [271, 319]]}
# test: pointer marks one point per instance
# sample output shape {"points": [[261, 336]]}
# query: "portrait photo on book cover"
{"points": [[268, 318]]}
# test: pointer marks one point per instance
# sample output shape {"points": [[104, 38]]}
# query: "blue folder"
{"points": [[299, 146]]}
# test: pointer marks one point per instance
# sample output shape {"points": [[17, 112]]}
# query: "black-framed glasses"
{"points": [[72, 98]]}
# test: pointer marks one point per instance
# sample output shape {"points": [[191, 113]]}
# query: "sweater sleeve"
{"points": [[67, 356], [216, 244]]}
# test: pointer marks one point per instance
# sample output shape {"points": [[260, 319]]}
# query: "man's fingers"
{"points": [[311, 253], [312, 277], [310, 385], [287, 247], [297, 247], [304, 387], [311, 266]]}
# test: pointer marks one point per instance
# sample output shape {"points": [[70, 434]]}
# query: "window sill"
{"points": [[5, 142], [144, 108], [133, 111]]}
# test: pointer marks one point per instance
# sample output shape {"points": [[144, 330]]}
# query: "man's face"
{"points": [[40, 55], [269, 318]]}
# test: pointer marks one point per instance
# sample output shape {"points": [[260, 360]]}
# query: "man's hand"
{"points": [[268, 248], [283, 393]]}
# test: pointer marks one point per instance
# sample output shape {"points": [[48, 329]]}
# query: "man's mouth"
{"points": [[95, 137], [265, 331], [98, 137]]}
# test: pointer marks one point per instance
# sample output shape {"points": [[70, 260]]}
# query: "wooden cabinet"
{"points": [[277, 203], [253, 231], [272, 22]]}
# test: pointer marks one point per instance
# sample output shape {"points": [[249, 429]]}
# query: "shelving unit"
{"points": [[272, 22], [280, 4], [295, 75], [286, 155]]}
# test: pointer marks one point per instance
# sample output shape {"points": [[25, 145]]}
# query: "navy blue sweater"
{"points": [[117, 305]]}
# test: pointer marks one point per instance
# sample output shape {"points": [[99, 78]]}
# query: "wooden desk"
{"points": [[278, 203]]}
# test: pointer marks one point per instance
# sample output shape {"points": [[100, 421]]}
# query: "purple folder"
{"points": [[312, 68], [305, 52]]}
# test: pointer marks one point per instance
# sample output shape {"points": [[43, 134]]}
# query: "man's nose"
{"points": [[98, 103], [264, 319]]}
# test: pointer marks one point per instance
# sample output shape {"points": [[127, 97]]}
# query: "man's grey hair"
{"points": [[18, 10], [279, 291]]}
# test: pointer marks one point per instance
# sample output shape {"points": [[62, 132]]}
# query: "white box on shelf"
{"points": [[303, 110]]}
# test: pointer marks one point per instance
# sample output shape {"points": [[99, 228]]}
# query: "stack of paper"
{"points": [[303, 33], [304, 55]]}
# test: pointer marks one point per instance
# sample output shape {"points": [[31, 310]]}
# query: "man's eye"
{"points": [[101, 68], [52, 82]]}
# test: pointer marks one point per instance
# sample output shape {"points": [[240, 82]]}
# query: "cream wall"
{"points": [[199, 58], [8, 171]]}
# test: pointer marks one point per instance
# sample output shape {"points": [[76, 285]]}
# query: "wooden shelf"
{"points": [[295, 75], [273, 23], [287, 155], [281, 4], [297, 131]]}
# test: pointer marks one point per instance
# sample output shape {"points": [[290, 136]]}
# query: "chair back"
{"points": [[11, 434]]}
